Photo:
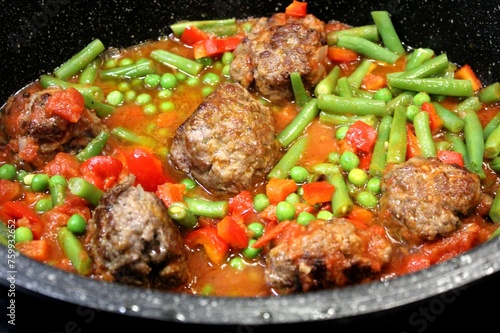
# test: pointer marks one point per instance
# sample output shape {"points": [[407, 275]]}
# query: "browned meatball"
{"points": [[326, 254], [426, 198], [228, 143], [133, 241], [34, 136], [276, 47]]}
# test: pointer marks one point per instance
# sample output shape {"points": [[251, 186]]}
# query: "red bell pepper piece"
{"points": [[68, 104], [17, 210], [9, 190], [318, 192], [271, 234], [466, 73], [435, 121], [215, 247], [412, 147], [297, 9], [191, 35], [171, 192], [63, 164], [340, 54], [215, 46], [450, 157], [361, 136], [232, 232], [147, 168], [240, 204], [102, 171], [278, 189], [374, 81]]}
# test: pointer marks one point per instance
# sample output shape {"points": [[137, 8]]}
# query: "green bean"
{"points": [[343, 88], [495, 164], [324, 168], [289, 159], [469, 104], [427, 69], [386, 30], [179, 212], [396, 150], [474, 141], [102, 110], [368, 32], [418, 57], [207, 208], [297, 126], [299, 91], [491, 125], [86, 190], [490, 94], [341, 201], [125, 134], [495, 209], [339, 119], [436, 86], [423, 133], [492, 144], [327, 85], [206, 25], [367, 48], [356, 77], [136, 70], [379, 155], [178, 62], [458, 145], [57, 189], [403, 99], [75, 251], [451, 121], [89, 73], [94, 147], [47, 81], [351, 105], [80, 60]]}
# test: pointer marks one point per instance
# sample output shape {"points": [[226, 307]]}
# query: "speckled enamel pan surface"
{"points": [[36, 37]]}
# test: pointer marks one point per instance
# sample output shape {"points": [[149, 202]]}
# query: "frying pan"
{"points": [[38, 37]]}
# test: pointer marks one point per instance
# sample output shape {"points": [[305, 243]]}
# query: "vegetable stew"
{"points": [[252, 157]]}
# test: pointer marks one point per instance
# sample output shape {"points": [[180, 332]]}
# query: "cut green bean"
{"points": [[47, 81], [436, 86], [180, 213], [469, 104], [351, 105], [356, 77], [341, 201], [403, 99], [495, 164], [299, 91], [492, 144], [327, 85], [396, 149], [207, 208], [387, 32], [101, 109], [458, 145], [132, 71], [94, 147], [344, 88], [368, 32], [424, 135], [491, 125], [427, 69], [451, 121], [297, 126], [379, 155], [80, 60], [367, 48], [178, 62], [339, 119], [289, 159], [490, 94], [474, 141], [74, 250], [216, 26], [126, 135], [418, 57], [86, 190], [495, 209], [89, 73]]}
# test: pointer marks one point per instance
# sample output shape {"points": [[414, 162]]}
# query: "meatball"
{"points": [[133, 241], [34, 137], [426, 198], [276, 47], [228, 143], [326, 254]]}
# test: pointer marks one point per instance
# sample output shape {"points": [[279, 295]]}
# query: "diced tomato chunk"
{"points": [[68, 104]]}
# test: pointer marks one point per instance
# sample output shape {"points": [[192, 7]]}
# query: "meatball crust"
{"points": [[276, 47], [426, 198], [228, 143], [133, 241]]}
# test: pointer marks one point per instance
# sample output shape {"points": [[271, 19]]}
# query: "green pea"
{"points": [[411, 112], [149, 109], [211, 79], [180, 76], [285, 211], [367, 199], [341, 131], [373, 185], [206, 61], [305, 217], [250, 252], [293, 198], [167, 106], [115, 98], [168, 81], [44, 205], [226, 70], [207, 90], [190, 184], [111, 63], [324, 215], [7, 171], [383, 94], [299, 174], [227, 58], [57, 180], [192, 81], [23, 234], [260, 202], [348, 160], [40, 182], [237, 263], [334, 157], [165, 93], [357, 177], [77, 224], [152, 81], [124, 86], [137, 82], [143, 99], [256, 229], [421, 98], [130, 96], [20, 175], [125, 62]]}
